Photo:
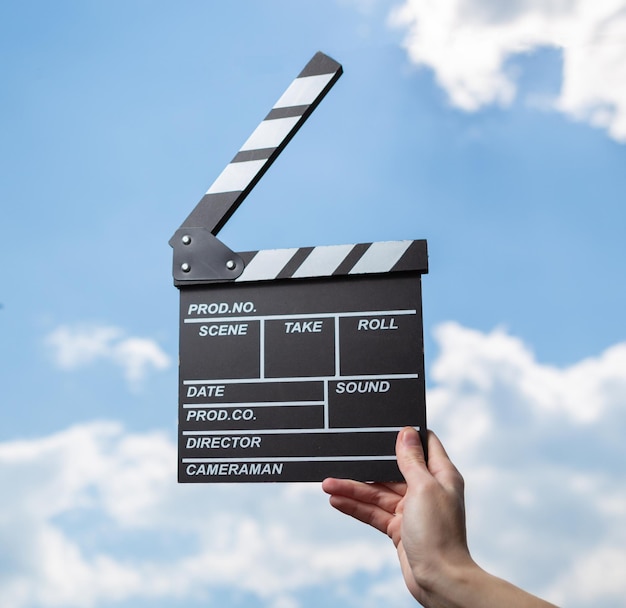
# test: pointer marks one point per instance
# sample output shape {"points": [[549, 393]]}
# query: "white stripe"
{"points": [[326, 420], [301, 379], [381, 257], [323, 261], [236, 176], [337, 348], [311, 431], [287, 459], [262, 349], [266, 264], [311, 315], [201, 406], [270, 133], [303, 91]]}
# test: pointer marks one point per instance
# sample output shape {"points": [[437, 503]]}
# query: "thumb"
{"points": [[410, 454]]}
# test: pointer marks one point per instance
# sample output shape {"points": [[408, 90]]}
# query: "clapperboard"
{"points": [[295, 364]]}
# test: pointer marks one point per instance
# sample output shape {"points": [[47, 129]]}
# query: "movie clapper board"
{"points": [[295, 364]]}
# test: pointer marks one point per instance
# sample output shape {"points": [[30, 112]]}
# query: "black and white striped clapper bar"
{"points": [[295, 364]]}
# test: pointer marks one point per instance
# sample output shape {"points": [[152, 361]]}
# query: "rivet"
{"points": [[230, 265], [185, 267], [186, 240]]}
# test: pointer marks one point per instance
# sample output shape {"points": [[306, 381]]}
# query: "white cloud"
{"points": [[484, 364], [467, 43], [543, 454], [606, 564], [94, 514], [269, 540], [73, 347]]}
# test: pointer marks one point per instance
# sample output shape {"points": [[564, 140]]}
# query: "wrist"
{"points": [[454, 584], [466, 585]]}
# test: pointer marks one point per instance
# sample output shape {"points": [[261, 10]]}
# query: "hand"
{"points": [[425, 517]]}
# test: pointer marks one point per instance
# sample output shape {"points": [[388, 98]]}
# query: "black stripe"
{"points": [[276, 113], [352, 258], [295, 262], [320, 64], [247, 256], [211, 209], [414, 258], [260, 154]]}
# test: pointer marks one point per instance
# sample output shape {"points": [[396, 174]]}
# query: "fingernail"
{"points": [[410, 438]]}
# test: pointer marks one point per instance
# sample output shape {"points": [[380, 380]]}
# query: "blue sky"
{"points": [[496, 133]]}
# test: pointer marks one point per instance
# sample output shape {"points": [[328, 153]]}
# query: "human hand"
{"points": [[424, 517]]}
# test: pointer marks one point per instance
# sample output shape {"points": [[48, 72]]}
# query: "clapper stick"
{"points": [[198, 255], [265, 144]]}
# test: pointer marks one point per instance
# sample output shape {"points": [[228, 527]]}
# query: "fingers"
{"points": [[384, 496], [437, 455], [374, 504], [369, 514], [410, 454], [440, 465], [413, 465]]}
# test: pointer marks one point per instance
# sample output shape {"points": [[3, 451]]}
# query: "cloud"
{"points": [[94, 515], [469, 43], [271, 541], [73, 347], [543, 454], [496, 363]]}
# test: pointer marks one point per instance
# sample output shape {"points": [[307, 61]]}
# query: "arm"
{"points": [[425, 518]]}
